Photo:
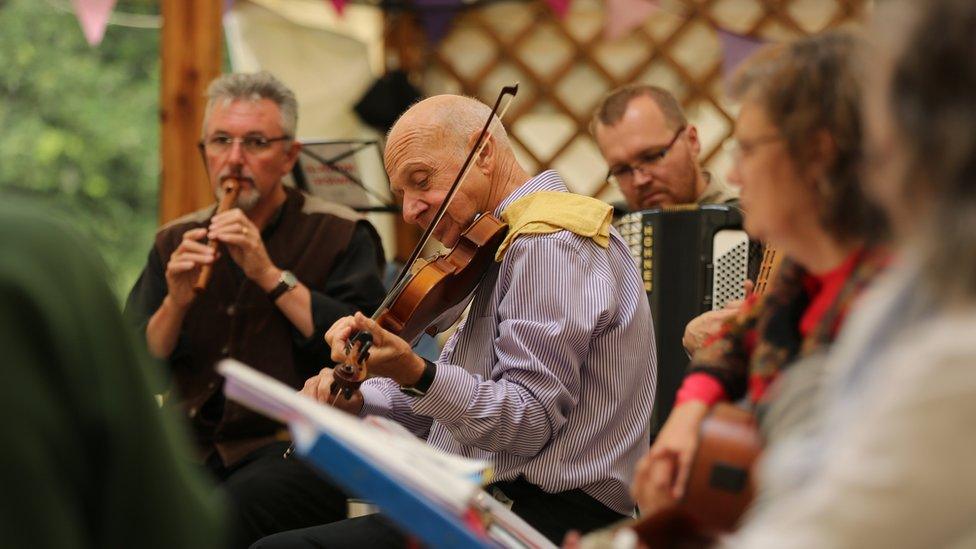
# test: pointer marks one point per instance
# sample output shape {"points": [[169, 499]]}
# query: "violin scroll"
{"points": [[348, 376]]}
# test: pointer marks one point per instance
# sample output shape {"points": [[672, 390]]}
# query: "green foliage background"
{"points": [[81, 127]]}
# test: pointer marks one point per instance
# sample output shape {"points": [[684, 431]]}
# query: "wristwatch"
{"points": [[420, 388], [286, 283]]}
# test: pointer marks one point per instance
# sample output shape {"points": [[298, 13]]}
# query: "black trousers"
{"points": [[267, 494], [553, 515]]}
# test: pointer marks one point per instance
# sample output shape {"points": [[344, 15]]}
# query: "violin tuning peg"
{"points": [[364, 351]]}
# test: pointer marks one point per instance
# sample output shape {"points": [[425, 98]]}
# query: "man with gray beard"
{"points": [[288, 266]]}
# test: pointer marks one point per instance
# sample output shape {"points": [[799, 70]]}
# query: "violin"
{"points": [[231, 188], [431, 298]]}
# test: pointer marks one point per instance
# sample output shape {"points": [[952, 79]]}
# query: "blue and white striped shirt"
{"points": [[552, 374]]}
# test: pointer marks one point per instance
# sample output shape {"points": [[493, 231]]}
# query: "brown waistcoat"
{"points": [[235, 318]]}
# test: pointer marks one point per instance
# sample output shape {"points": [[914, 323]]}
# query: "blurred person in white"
{"points": [[890, 463]]}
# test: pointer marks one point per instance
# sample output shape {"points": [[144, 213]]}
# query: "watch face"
{"points": [[288, 278]]}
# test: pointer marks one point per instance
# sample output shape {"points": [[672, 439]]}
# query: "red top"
{"points": [[822, 289]]}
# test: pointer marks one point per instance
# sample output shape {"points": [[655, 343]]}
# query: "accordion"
{"points": [[692, 259]]}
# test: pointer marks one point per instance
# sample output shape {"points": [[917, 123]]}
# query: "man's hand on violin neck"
{"points": [[389, 356], [319, 388]]}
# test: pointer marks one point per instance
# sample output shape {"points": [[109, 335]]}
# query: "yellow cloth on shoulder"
{"points": [[546, 212]]}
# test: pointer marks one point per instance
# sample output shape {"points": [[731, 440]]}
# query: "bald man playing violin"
{"points": [[550, 377]]}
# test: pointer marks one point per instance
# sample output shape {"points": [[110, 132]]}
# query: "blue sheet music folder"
{"points": [[435, 526], [360, 456]]}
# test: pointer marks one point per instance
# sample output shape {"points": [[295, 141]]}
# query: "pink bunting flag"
{"points": [[559, 7], [339, 5], [736, 48], [93, 16], [624, 16]]}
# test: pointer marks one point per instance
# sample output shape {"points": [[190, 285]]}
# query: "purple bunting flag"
{"points": [[436, 17], [735, 49]]}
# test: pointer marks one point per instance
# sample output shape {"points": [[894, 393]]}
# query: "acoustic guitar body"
{"points": [[720, 486]]}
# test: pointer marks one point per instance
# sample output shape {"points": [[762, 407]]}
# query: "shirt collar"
{"points": [[548, 180], [715, 192]]}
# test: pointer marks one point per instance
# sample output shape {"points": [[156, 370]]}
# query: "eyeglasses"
{"points": [[645, 161], [252, 144], [741, 148]]}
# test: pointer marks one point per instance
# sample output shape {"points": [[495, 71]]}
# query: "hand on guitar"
{"points": [[320, 388], [389, 356], [705, 325], [709, 323], [662, 473]]}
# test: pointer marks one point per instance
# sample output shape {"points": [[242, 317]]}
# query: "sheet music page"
{"points": [[450, 479]]}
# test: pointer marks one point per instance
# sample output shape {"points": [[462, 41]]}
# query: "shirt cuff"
{"points": [[449, 396], [702, 387], [375, 400]]}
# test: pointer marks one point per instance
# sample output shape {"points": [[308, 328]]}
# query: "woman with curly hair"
{"points": [[798, 161]]}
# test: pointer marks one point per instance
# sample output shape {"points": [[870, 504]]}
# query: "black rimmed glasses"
{"points": [[252, 144], [646, 160]]}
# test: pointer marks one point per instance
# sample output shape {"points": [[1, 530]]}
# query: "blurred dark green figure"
{"points": [[88, 458]]}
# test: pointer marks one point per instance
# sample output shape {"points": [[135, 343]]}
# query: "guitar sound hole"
{"points": [[728, 477]]}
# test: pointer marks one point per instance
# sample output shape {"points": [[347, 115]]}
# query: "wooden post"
{"points": [[191, 57], [405, 42]]}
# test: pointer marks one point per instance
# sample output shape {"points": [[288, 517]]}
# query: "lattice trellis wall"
{"points": [[566, 66]]}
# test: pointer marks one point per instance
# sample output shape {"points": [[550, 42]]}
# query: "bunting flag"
{"points": [[624, 16], [559, 7], [339, 5], [436, 17], [93, 16], [735, 49]]}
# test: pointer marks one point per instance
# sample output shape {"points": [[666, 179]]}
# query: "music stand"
{"points": [[338, 171]]}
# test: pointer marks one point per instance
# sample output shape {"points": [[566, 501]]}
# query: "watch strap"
{"points": [[283, 286], [423, 384]]}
